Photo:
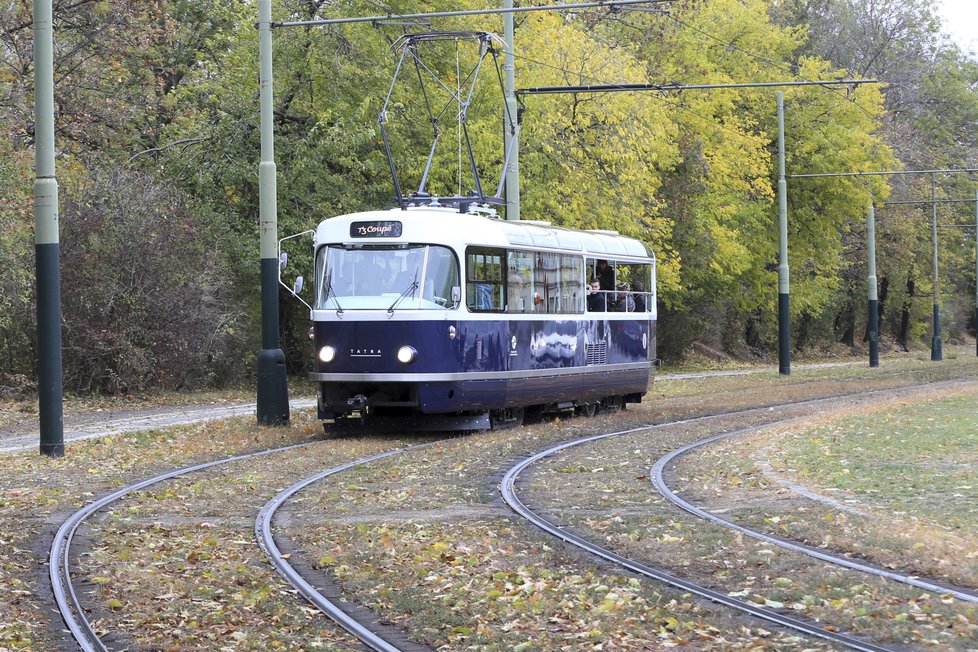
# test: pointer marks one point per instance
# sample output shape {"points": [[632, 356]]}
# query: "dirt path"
{"points": [[21, 433]]}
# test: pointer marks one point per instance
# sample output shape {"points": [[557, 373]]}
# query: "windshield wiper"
{"points": [[329, 291], [408, 290]]}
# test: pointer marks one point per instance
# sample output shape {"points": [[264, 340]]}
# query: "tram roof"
{"points": [[446, 225]]}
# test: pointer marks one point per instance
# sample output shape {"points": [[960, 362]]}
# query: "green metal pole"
{"points": [[976, 272], [512, 137], [936, 353], [874, 314], [273, 391], [784, 296], [46, 243]]}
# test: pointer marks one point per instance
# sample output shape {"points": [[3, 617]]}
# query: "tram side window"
{"points": [[634, 291], [519, 281], [571, 284], [484, 285], [546, 281]]}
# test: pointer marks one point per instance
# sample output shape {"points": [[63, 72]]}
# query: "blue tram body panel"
{"points": [[432, 312], [489, 364]]}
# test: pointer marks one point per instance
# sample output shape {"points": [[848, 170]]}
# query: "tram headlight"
{"points": [[327, 354], [406, 354]]}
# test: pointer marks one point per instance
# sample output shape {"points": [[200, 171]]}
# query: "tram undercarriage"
{"points": [[409, 407]]}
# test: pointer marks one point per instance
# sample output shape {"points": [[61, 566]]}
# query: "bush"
{"points": [[144, 295]]}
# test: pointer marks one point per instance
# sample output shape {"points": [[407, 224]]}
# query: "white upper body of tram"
{"points": [[425, 262]]}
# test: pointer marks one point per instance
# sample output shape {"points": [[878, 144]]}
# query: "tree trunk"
{"points": [[904, 335], [884, 285], [845, 322], [752, 335], [804, 328]]}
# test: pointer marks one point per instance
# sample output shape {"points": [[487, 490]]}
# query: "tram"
{"points": [[437, 318]]}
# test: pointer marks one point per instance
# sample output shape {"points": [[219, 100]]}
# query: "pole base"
{"points": [[784, 334], [936, 353], [53, 450], [273, 389], [874, 333]]}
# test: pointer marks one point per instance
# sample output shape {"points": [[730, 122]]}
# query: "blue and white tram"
{"points": [[434, 319]]}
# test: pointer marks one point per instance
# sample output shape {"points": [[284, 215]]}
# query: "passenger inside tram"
{"points": [[596, 300]]}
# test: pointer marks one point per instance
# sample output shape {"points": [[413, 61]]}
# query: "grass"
{"points": [[919, 459], [901, 472]]}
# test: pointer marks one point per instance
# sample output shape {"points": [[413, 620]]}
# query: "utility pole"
{"points": [[874, 305], [511, 124], [935, 347], [46, 243], [936, 353], [273, 390], [784, 296]]}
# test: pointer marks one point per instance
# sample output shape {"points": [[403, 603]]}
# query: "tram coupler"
{"points": [[358, 402]]}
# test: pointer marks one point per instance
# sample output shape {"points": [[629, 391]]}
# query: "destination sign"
{"points": [[379, 229]]}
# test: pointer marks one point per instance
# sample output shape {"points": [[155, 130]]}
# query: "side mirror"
{"points": [[297, 288], [456, 294], [283, 260]]}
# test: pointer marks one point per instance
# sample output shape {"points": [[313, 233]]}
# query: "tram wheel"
{"points": [[588, 409], [506, 418], [534, 414], [613, 403]]}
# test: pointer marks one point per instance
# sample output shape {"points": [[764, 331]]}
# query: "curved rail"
{"points": [[508, 490], [263, 532], [657, 479], [59, 562]]}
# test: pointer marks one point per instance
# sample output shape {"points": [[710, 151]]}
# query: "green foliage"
{"points": [[592, 161], [167, 93], [16, 256]]}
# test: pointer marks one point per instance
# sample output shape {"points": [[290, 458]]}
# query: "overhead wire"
{"points": [[731, 46], [777, 64], [657, 96], [773, 62]]}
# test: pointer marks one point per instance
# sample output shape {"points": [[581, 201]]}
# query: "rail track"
{"points": [[65, 595], [366, 633], [74, 615], [508, 488], [657, 476]]}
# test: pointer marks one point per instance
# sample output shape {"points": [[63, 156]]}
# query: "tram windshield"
{"points": [[413, 276]]}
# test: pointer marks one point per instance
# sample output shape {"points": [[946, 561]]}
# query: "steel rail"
{"points": [[509, 494], [656, 474], [59, 560], [263, 533]]}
